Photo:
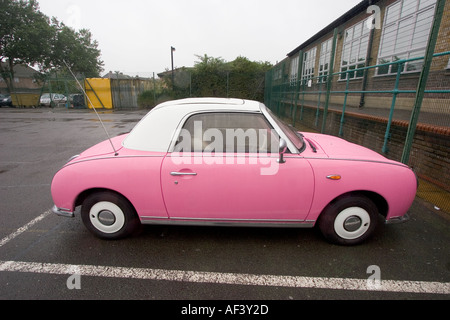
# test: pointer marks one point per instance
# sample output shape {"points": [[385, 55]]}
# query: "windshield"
{"points": [[295, 137]]}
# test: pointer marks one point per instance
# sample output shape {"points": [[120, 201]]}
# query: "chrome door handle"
{"points": [[177, 174]]}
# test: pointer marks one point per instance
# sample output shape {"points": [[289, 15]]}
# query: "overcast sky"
{"points": [[135, 36]]}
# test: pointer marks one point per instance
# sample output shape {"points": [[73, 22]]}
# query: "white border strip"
{"points": [[227, 278]]}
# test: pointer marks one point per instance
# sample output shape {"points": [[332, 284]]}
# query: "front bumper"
{"points": [[63, 212], [397, 220]]}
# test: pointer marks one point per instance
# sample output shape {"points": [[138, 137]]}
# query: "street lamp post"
{"points": [[172, 49]]}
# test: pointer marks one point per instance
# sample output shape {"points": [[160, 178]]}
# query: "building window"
{"points": [[294, 71], [277, 73], [354, 52], [309, 63], [324, 60], [407, 25]]}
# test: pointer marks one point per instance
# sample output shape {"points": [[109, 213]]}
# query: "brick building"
{"points": [[25, 80], [373, 33]]}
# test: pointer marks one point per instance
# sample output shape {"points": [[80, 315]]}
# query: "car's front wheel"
{"points": [[349, 220], [109, 216]]}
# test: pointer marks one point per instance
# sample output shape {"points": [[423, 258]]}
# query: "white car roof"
{"points": [[156, 130]]}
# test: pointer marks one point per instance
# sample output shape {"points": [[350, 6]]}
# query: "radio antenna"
{"points": [[93, 107]]}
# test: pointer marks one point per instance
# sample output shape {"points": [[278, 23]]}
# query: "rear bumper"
{"points": [[63, 212], [396, 220]]}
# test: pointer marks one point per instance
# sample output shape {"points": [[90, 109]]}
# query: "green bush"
{"points": [[214, 77]]}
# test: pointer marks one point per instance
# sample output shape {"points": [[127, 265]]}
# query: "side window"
{"points": [[227, 132]]}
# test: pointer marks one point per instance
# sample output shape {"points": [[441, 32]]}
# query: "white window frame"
{"points": [[324, 60], [354, 49], [405, 34], [293, 76], [309, 65]]}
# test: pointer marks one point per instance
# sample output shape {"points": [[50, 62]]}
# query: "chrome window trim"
{"points": [[228, 222]]}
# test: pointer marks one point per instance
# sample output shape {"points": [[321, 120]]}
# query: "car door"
{"points": [[225, 167]]}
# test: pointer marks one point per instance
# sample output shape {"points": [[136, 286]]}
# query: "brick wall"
{"points": [[430, 154]]}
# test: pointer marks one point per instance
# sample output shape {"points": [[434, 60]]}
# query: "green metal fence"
{"points": [[400, 109], [64, 86], [405, 116]]}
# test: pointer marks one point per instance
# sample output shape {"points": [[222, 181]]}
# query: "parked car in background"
{"points": [[5, 100], [231, 162], [52, 100], [77, 101]]}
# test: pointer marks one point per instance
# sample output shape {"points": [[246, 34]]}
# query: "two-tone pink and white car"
{"points": [[231, 162]]}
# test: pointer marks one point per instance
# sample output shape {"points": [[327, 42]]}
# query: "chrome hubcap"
{"points": [[352, 223], [106, 217]]}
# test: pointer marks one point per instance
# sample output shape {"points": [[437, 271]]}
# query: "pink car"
{"points": [[230, 162]]}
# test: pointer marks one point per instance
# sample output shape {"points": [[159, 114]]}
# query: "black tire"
{"points": [[349, 221], [109, 216]]}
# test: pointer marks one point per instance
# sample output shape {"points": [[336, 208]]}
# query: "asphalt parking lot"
{"points": [[43, 256]]}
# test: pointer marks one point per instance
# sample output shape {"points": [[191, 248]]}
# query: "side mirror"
{"points": [[282, 150]]}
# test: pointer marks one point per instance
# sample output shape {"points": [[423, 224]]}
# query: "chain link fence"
{"points": [[365, 106]]}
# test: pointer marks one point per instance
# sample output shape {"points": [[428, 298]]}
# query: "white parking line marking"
{"points": [[21, 230], [216, 277], [227, 278]]}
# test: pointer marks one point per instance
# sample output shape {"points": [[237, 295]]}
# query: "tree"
{"points": [[208, 77], [27, 36], [76, 48], [241, 78], [246, 80]]}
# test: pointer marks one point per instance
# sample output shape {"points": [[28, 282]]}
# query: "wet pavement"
{"points": [[41, 254]]}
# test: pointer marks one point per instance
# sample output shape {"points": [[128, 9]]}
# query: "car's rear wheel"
{"points": [[349, 220], [108, 215]]}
